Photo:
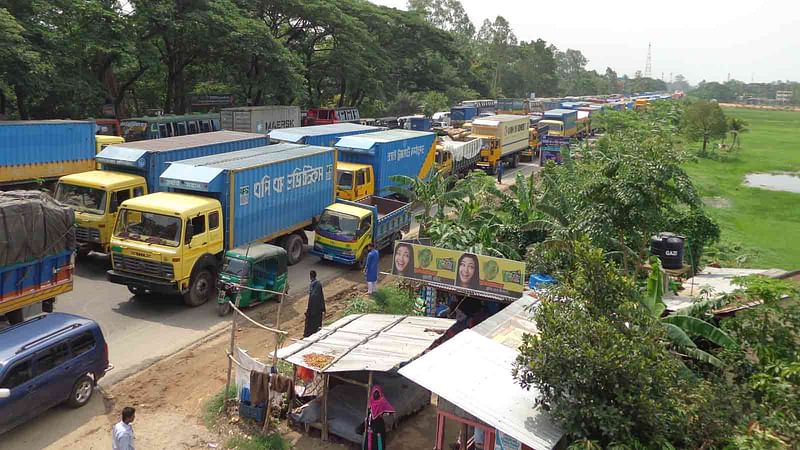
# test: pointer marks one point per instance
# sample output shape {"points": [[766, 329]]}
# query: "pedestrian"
{"points": [[316, 306], [373, 428], [500, 170], [371, 268], [122, 435]]}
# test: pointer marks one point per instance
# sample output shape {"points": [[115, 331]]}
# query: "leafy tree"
{"points": [[714, 91], [447, 15], [680, 83], [704, 120], [497, 41], [430, 194], [736, 126]]}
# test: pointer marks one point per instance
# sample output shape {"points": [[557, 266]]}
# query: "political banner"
{"points": [[463, 270]]}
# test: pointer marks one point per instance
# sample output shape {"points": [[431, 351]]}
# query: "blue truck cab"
{"points": [[47, 360]]}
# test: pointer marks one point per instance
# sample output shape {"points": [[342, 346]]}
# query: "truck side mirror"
{"points": [[189, 233]]}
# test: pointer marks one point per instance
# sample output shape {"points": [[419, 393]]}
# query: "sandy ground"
{"points": [[169, 396]]}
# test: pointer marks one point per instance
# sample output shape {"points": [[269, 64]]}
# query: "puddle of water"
{"points": [[789, 182]]}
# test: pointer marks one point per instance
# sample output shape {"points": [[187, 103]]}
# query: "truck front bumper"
{"points": [[333, 257], [153, 285]]}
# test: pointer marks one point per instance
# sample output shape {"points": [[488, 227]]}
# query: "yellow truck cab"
{"points": [[160, 238], [95, 196], [354, 181], [504, 137], [103, 141]]}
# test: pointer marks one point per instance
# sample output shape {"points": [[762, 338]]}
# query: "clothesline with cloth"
{"points": [[262, 384]]}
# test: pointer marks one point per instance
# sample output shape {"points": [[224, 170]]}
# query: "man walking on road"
{"points": [[500, 170], [316, 306], [371, 268], [122, 435]]}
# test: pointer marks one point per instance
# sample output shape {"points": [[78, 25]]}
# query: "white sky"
{"points": [[702, 39]]}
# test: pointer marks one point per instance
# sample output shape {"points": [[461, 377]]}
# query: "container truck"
{"points": [[173, 242], [37, 244], [503, 137], [561, 122], [131, 170], [324, 116], [346, 228], [260, 119], [457, 158], [367, 162], [459, 115], [535, 133], [420, 124], [43, 150], [321, 135]]}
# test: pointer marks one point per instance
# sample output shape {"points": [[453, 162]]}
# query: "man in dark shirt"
{"points": [[316, 306]]}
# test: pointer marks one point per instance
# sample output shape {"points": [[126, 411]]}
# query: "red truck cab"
{"points": [[325, 116]]}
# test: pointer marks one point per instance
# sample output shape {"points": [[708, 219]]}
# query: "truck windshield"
{"points": [[345, 180], [148, 227], [133, 130], [82, 198], [336, 225], [236, 267]]}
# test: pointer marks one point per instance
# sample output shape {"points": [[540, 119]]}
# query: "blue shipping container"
{"points": [[463, 113], [45, 141], [421, 123], [32, 275], [150, 158], [394, 152], [265, 193], [568, 116], [321, 135]]}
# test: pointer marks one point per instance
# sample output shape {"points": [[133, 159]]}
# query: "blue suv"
{"points": [[48, 360]]}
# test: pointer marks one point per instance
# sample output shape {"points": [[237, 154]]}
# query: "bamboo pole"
{"points": [[325, 409], [231, 350], [281, 298]]}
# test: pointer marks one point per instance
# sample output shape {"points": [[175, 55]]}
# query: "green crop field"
{"points": [[761, 226]]}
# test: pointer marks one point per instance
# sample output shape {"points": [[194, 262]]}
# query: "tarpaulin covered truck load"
{"points": [[173, 242], [45, 149], [260, 119], [37, 242], [368, 161], [132, 170], [321, 135]]}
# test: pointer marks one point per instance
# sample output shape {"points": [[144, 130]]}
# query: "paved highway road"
{"points": [[141, 330]]}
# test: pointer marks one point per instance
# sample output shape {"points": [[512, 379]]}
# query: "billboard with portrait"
{"points": [[462, 270]]}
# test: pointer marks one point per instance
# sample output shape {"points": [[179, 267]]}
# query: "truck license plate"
{"points": [[329, 257]]}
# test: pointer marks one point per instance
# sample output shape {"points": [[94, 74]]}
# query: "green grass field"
{"points": [[765, 223]]}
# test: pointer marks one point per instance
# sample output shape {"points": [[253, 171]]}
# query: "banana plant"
{"points": [[681, 327]]}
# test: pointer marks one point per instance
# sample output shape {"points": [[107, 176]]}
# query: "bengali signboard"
{"points": [[555, 141], [463, 270]]}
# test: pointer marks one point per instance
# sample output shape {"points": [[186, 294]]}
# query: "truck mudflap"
{"points": [[143, 283]]}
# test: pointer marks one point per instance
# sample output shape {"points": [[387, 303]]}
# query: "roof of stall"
{"points": [[373, 342], [473, 372]]}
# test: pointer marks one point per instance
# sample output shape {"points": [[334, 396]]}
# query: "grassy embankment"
{"points": [[764, 223]]}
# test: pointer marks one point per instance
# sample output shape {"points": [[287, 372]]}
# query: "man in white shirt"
{"points": [[122, 435]]}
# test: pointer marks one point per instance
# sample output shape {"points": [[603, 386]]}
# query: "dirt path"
{"points": [[169, 396]]}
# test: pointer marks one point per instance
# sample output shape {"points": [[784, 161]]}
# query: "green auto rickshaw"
{"points": [[247, 271]]}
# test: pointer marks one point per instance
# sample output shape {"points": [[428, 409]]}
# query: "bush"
{"points": [[214, 406], [272, 442], [392, 299]]}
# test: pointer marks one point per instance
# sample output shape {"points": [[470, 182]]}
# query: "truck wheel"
{"points": [[81, 392], [201, 288], [16, 316], [48, 305], [223, 309], [293, 244]]}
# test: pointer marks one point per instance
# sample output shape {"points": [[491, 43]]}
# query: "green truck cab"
{"points": [[346, 228], [248, 272]]}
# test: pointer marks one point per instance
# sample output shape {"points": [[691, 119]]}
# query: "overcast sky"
{"points": [[701, 39]]}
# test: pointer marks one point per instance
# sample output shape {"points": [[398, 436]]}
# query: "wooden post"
{"points": [[440, 423], [369, 392], [325, 408], [265, 429], [294, 382], [463, 437], [232, 355]]}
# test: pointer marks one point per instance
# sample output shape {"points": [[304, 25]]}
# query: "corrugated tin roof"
{"points": [[367, 140], [507, 326], [239, 154], [374, 342], [188, 141], [297, 134], [474, 373]]}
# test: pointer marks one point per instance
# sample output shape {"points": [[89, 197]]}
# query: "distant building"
{"points": [[783, 96]]}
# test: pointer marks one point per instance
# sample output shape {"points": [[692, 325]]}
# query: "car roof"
{"points": [[14, 338]]}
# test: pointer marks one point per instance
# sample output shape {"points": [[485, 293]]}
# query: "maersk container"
{"points": [[264, 195], [393, 152], [149, 158], [45, 149], [321, 135], [260, 119]]}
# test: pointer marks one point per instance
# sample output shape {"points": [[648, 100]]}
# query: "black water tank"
{"points": [[673, 252], [656, 246]]}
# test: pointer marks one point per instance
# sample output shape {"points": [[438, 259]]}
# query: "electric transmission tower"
{"points": [[648, 66]]}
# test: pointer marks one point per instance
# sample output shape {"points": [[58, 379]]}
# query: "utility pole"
{"points": [[648, 67]]}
